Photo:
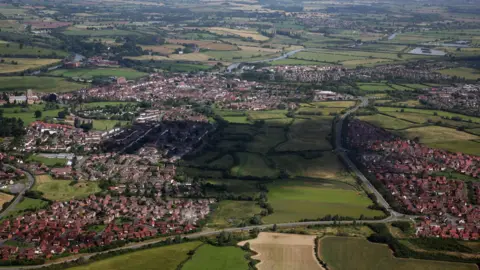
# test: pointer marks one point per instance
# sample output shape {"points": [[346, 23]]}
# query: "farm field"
{"points": [[374, 87], [24, 64], [39, 84], [277, 251], [4, 198], [233, 213], [444, 138], [265, 140], [72, 31], [430, 112], [236, 32], [93, 105], [63, 190], [209, 257], [462, 72], [169, 256], [327, 166], [386, 122], [334, 104], [86, 73], [345, 253], [247, 188], [294, 200], [163, 49], [11, 49], [252, 165], [308, 134], [299, 62], [204, 44]]}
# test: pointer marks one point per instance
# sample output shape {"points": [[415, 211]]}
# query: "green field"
{"points": [[13, 49], [103, 125], [86, 73], [374, 87], [233, 213], [296, 62], [39, 84], [94, 105], [430, 112], [462, 72], [386, 122], [63, 190], [166, 258], [29, 116], [51, 162], [308, 134], [247, 188], [99, 33], [266, 140], [27, 204], [209, 257], [345, 253], [252, 165], [298, 199]]}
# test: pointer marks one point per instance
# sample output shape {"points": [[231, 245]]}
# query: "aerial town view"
{"points": [[240, 134]]}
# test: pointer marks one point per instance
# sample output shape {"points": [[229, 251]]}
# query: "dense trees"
{"points": [[11, 127]]}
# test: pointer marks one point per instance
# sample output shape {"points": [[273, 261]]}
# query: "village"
{"points": [[409, 171]]}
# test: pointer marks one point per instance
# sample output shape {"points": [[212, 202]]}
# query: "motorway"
{"points": [[394, 216], [19, 197]]}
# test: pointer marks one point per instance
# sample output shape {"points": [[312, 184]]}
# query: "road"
{"points": [[394, 216], [19, 197]]}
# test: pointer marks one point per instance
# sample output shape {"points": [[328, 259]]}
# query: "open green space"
{"points": [[209, 257], [299, 199], [27, 204], [222, 186], [266, 139], [102, 104], [430, 112], [29, 116], [63, 190], [233, 213], [308, 134], [167, 258], [39, 84], [374, 87], [89, 73], [251, 164], [103, 125], [51, 162], [15, 49], [462, 72], [345, 253]]}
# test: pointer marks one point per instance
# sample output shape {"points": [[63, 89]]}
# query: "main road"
{"points": [[19, 197], [394, 216], [283, 56]]}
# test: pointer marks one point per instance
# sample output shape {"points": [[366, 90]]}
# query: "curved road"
{"points": [[19, 197], [394, 216]]}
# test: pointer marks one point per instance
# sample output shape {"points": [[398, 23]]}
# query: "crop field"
{"points": [[252, 165], [462, 72], [63, 190], [386, 122], [429, 119], [72, 31], [200, 57], [236, 32], [277, 251], [365, 62], [236, 55], [11, 49], [86, 73], [328, 166], [294, 200], [48, 161], [444, 138], [475, 131], [170, 258], [209, 257], [103, 104], [24, 64], [40, 84], [431, 112], [4, 198], [306, 134], [148, 58], [236, 119], [345, 253], [240, 187], [233, 213], [320, 111], [325, 57], [297, 62], [103, 125]]}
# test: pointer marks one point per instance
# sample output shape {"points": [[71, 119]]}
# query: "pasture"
{"points": [[308, 134], [27, 204], [374, 87], [294, 200], [29, 116], [11, 49], [63, 190], [23, 64], [104, 125], [266, 139], [250, 164], [170, 257], [386, 122], [89, 73], [462, 72], [209, 257], [39, 84], [430, 112], [345, 253], [233, 213], [277, 251]]}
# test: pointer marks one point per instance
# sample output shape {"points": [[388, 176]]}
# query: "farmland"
{"points": [[278, 251], [236, 32], [39, 84], [344, 253], [386, 122], [103, 125], [308, 134], [23, 64], [28, 116], [294, 200], [62, 190], [462, 72], [129, 74], [233, 213], [11, 49], [209, 257], [252, 165], [170, 256]]}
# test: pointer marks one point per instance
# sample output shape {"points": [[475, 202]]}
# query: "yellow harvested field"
{"points": [[163, 49], [277, 251], [4, 198], [23, 64], [205, 44], [190, 57], [237, 32]]}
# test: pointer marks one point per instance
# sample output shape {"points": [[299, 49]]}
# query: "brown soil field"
{"points": [[4, 197], [205, 44], [277, 251]]}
